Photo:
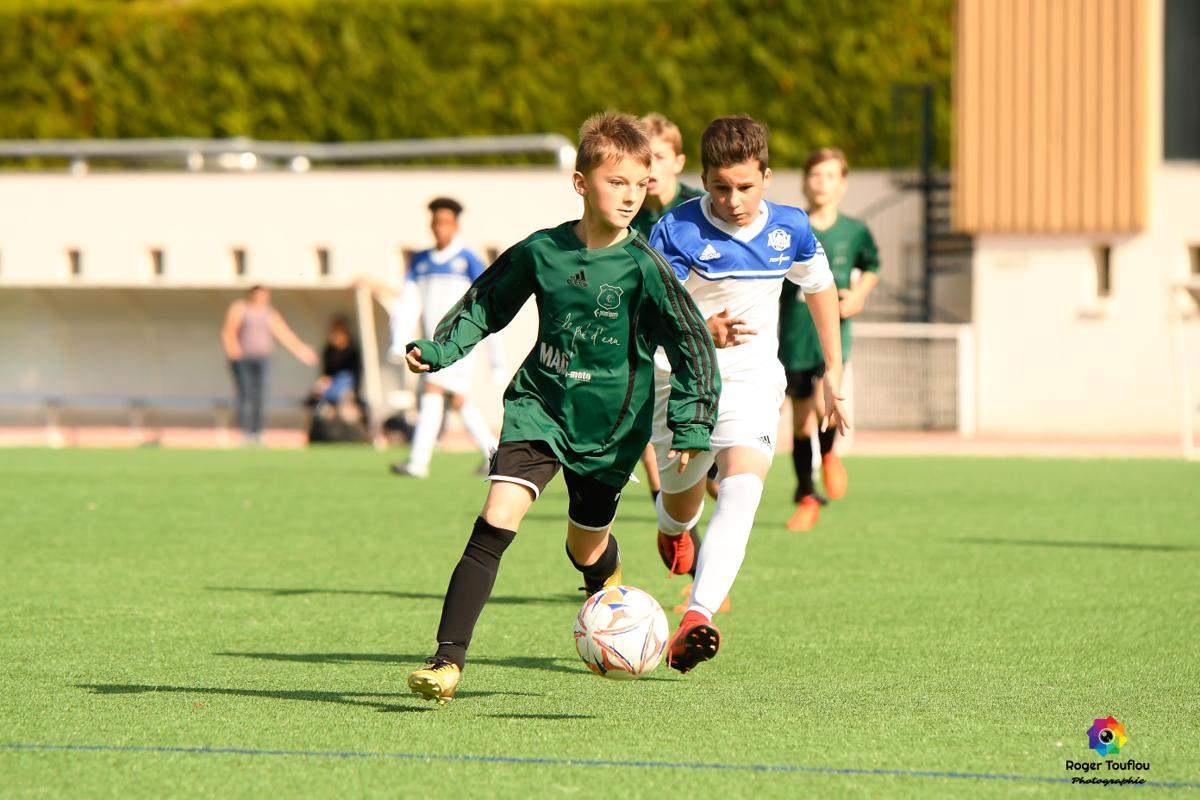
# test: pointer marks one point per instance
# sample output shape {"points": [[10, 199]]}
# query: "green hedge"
{"points": [[817, 71]]}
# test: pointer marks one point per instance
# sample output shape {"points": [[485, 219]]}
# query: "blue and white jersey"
{"points": [[723, 266], [441, 278]]}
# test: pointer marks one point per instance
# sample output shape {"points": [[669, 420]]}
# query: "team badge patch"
{"points": [[609, 297], [779, 239]]}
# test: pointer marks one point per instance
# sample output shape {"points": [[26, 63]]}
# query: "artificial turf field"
{"points": [[238, 623]]}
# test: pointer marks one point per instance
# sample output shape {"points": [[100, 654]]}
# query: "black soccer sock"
{"points": [[470, 586], [596, 573], [826, 437], [654, 493], [802, 461]]}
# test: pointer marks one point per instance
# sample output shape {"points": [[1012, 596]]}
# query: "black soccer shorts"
{"points": [[802, 383], [592, 505]]}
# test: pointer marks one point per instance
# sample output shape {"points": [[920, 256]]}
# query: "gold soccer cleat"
{"points": [[436, 681], [615, 578]]}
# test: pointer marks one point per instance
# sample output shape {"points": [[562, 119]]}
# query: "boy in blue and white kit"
{"points": [[732, 250], [436, 279]]}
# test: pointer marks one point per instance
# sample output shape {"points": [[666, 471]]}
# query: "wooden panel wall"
{"points": [[1051, 115]]}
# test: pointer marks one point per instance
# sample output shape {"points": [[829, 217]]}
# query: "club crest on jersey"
{"points": [[779, 239], [710, 253], [609, 300]]}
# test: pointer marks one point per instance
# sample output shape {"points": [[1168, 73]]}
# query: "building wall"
{"points": [[1055, 123], [118, 329], [1055, 358]]}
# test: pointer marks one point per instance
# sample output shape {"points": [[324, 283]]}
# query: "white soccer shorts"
{"points": [[747, 416]]}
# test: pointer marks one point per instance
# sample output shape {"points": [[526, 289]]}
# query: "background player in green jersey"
{"points": [[663, 193], [583, 400], [854, 260]]}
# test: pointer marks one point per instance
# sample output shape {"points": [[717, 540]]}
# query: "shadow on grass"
{"points": [[547, 663], [414, 659], [1151, 548], [540, 716], [511, 600], [312, 696]]}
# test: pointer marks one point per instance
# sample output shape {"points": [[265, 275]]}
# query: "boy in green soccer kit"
{"points": [[583, 399], [854, 260], [663, 193]]}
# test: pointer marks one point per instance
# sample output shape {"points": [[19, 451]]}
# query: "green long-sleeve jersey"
{"points": [[587, 386]]}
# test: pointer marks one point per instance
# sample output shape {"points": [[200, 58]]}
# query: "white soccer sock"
{"points": [[480, 433], [429, 423], [815, 440], [725, 540], [671, 526]]}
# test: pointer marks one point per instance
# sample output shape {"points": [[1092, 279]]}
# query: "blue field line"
{"points": [[563, 762]]}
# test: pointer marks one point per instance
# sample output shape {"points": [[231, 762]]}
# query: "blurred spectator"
{"points": [[252, 325], [341, 364], [339, 413]]}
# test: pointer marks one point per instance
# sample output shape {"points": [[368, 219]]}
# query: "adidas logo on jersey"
{"points": [[710, 253], [578, 279]]}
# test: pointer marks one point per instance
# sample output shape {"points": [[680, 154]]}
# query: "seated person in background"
{"points": [[341, 364]]}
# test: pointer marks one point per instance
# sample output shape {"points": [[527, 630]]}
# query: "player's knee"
{"points": [[457, 401], [506, 505], [742, 491]]}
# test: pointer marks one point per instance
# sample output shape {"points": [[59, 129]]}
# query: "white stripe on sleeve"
{"points": [[813, 275]]}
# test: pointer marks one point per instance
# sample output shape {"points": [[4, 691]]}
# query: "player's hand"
{"points": [[413, 359], [684, 456], [850, 303], [727, 330], [831, 408], [308, 356]]}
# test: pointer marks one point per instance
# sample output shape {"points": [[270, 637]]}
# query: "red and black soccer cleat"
{"points": [[678, 553], [696, 640]]}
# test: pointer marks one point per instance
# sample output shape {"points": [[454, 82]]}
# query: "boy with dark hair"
{"points": [[582, 401], [733, 250], [854, 260], [435, 279]]}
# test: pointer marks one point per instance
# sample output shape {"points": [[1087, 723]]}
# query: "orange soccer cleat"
{"points": [[805, 516], [833, 475]]}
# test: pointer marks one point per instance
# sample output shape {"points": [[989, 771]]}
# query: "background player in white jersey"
{"points": [[436, 279], [732, 249]]}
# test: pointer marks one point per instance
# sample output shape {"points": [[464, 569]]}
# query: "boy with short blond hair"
{"points": [[854, 260], [583, 399]]}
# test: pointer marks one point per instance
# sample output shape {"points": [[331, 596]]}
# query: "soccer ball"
{"points": [[621, 633]]}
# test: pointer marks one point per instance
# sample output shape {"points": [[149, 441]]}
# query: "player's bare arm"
{"points": [[229, 331], [827, 318]]}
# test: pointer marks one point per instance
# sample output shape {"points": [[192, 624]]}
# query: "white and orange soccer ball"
{"points": [[621, 633]]}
